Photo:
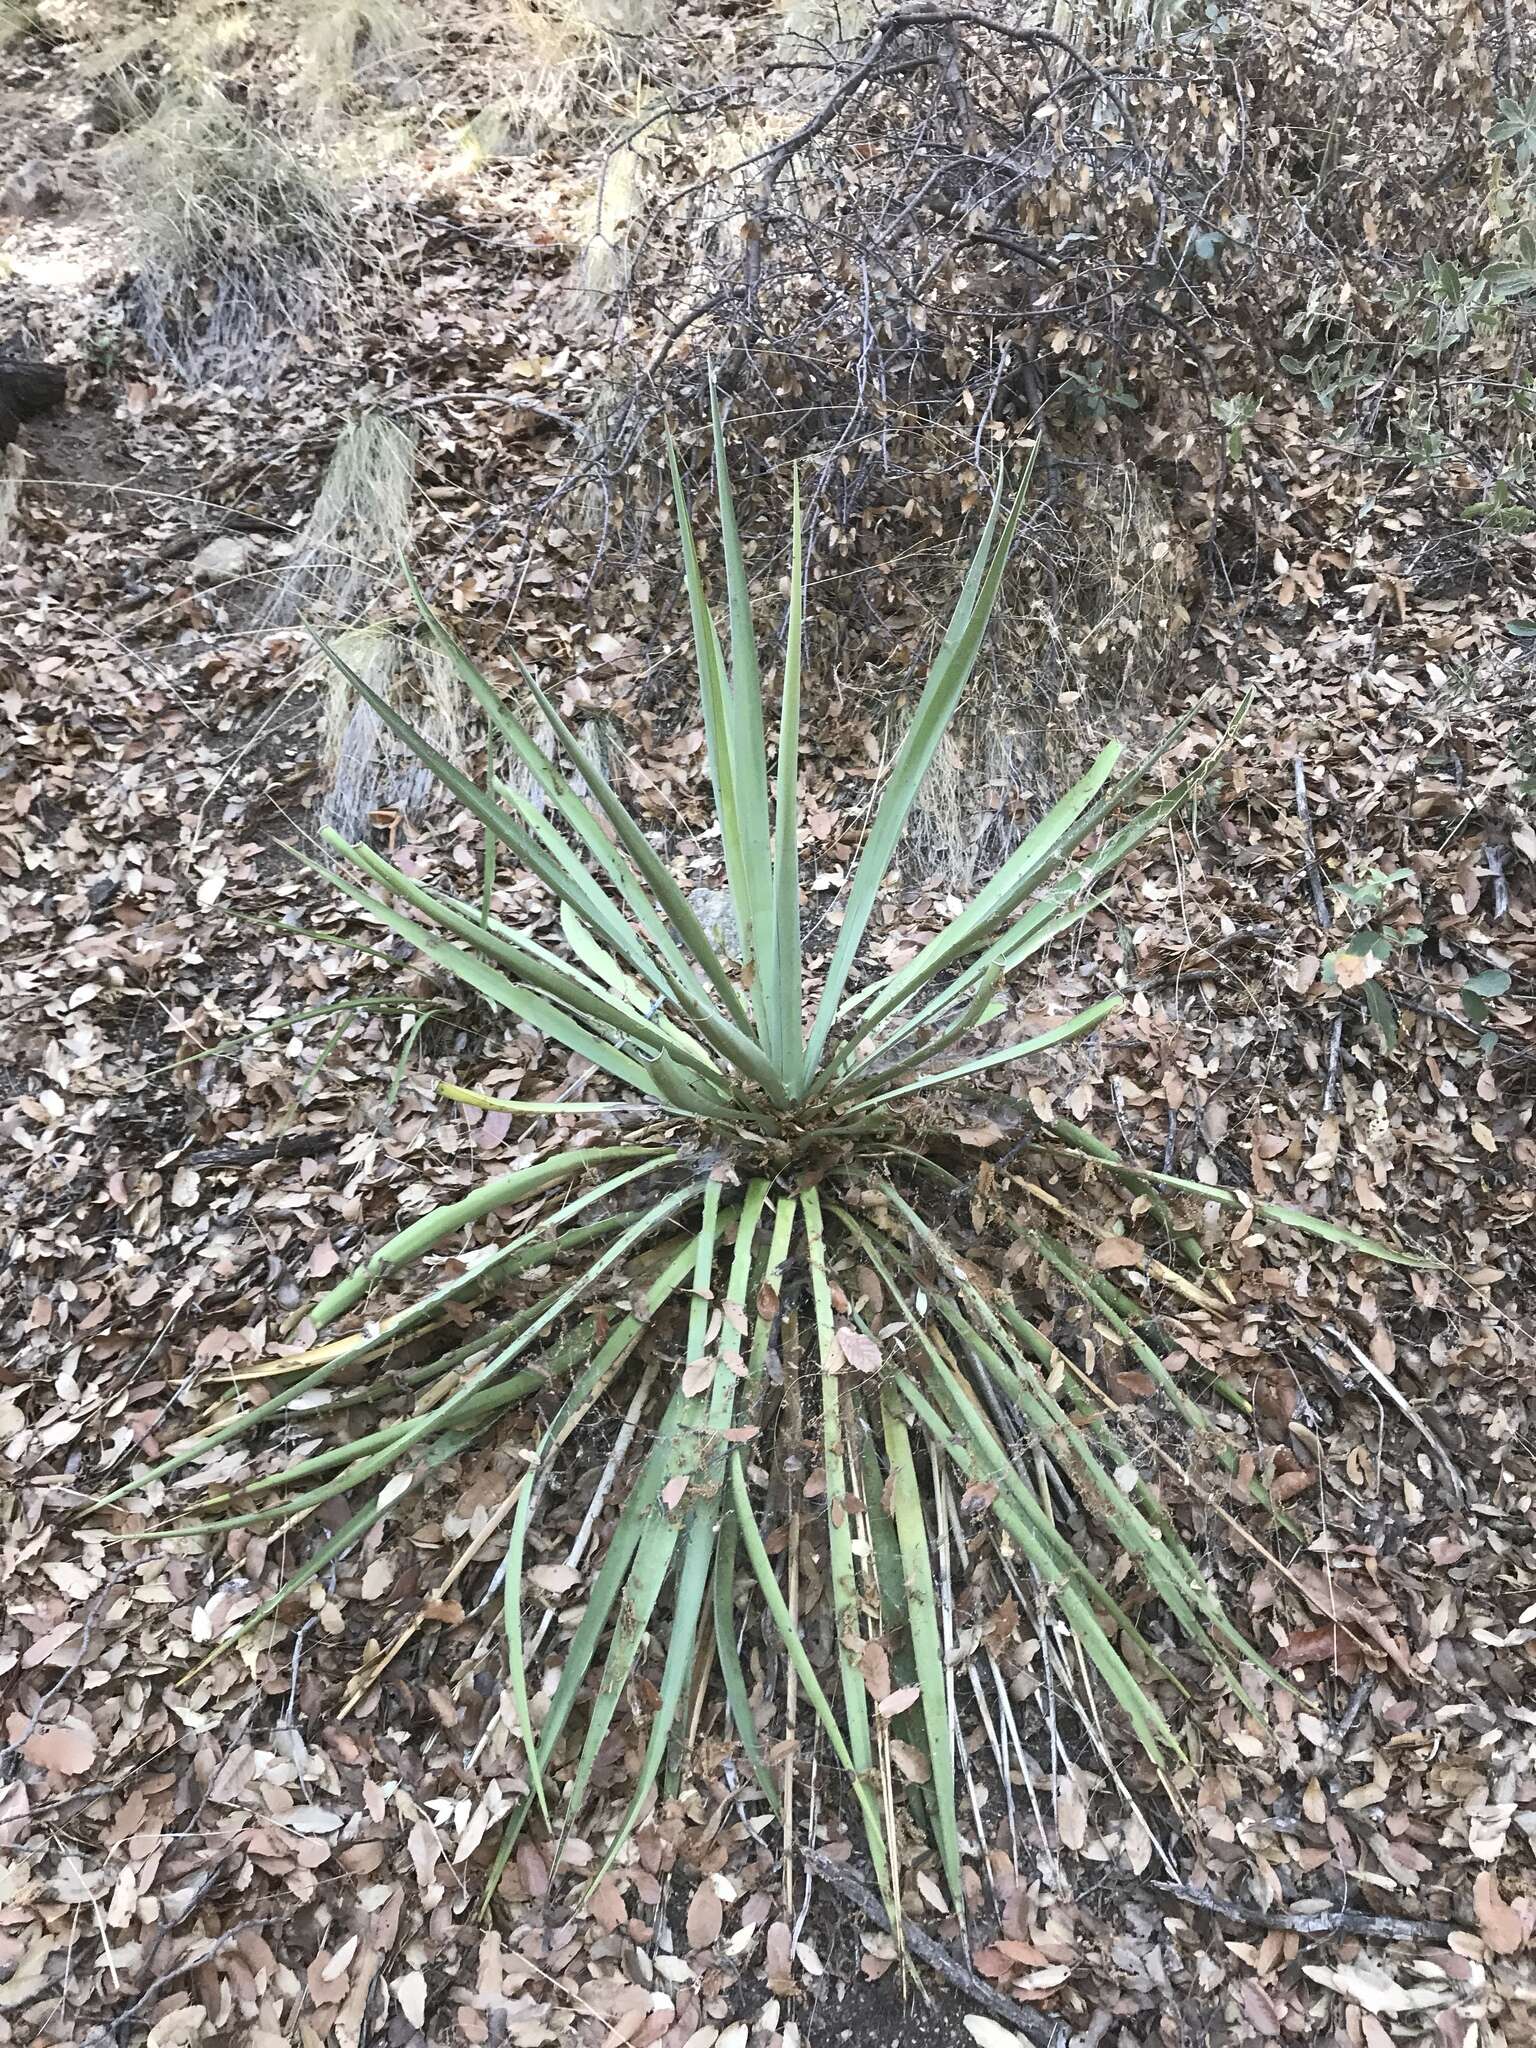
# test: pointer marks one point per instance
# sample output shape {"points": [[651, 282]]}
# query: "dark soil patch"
{"points": [[855, 2013]]}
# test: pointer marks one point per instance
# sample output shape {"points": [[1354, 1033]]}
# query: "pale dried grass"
{"points": [[571, 64], [239, 241], [347, 554], [366, 768]]}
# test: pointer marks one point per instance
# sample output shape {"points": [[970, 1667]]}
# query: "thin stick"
{"points": [[1400, 1402], [1314, 870], [1494, 854], [1327, 1920], [1335, 1049]]}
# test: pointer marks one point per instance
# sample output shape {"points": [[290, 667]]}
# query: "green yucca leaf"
{"points": [[719, 731], [497, 1262], [1292, 1218], [1054, 1034], [981, 1009], [519, 1000], [957, 1423], [641, 877], [604, 1363], [936, 708], [578, 995], [658, 1538], [836, 1457], [1029, 935], [733, 1678], [461, 1408], [738, 1698], [694, 1570], [919, 1608], [1051, 839], [789, 965], [805, 1671], [749, 761], [417, 1238]]}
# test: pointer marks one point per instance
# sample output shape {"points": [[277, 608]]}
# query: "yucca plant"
{"points": [[767, 1222]]}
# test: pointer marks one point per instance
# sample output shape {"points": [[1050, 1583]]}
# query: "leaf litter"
{"points": [[208, 1845]]}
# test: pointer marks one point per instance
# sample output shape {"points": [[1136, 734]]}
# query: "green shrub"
{"points": [[777, 1142]]}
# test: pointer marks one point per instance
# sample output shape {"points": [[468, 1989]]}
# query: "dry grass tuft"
{"points": [[572, 60], [366, 767], [13, 467], [17, 18], [616, 205], [364, 45], [819, 24], [342, 564], [1008, 752], [191, 44], [1132, 576], [347, 553], [240, 241]]}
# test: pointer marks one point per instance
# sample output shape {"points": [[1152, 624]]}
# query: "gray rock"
{"points": [[227, 555], [714, 910], [31, 191]]}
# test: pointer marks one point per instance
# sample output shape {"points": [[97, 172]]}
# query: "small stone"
{"points": [[715, 911], [30, 191], [228, 555]]}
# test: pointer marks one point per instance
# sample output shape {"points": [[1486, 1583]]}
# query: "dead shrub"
{"points": [[1086, 631], [359, 46], [18, 18]]}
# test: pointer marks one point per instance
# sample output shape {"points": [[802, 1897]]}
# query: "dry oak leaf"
{"points": [[1353, 970], [1500, 1925], [699, 1375], [1072, 1819], [1112, 1252], [910, 1761], [704, 1916], [776, 1960], [1369, 1986], [410, 1994], [861, 1352], [66, 1748], [1331, 1600], [988, 2033]]}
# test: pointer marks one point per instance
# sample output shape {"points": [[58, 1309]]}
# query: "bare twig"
{"points": [[1326, 1921], [1404, 1407], [1493, 853], [113, 2031], [225, 1158], [1335, 1049], [1352, 1709], [1309, 840]]}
